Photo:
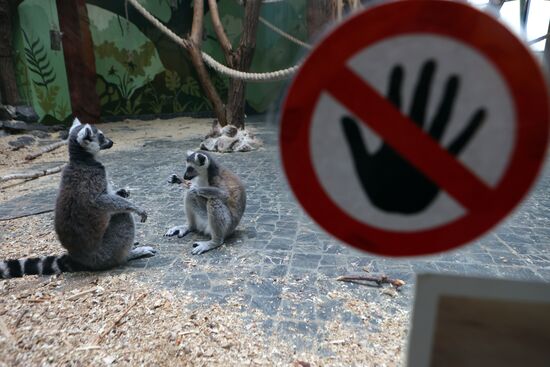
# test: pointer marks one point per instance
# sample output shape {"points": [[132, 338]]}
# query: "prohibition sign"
{"points": [[331, 73]]}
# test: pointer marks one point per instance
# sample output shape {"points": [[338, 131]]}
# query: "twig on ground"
{"points": [[27, 215], [379, 280], [46, 149], [31, 176], [23, 313], [117, 321], [87, 347], [80, 294]]}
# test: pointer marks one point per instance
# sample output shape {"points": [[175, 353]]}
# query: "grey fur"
{"points": [[93, 222], [214, 204]]}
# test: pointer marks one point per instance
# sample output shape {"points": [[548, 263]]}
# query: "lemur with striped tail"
{"points": [[92, 222], [214, 203]]}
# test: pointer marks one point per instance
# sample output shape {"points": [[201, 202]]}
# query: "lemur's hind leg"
{"points": [[219, 224], [114, 246], [120, 236], [194, 206]]}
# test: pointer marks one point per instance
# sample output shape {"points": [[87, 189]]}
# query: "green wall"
{"points": [[140, 73], [41, 76]]}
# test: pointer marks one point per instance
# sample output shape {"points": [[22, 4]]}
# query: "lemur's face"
{"points": [[89, 137], [196, 165]]}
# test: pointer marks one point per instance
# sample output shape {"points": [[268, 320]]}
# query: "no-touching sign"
{"points": [[414, 127]]}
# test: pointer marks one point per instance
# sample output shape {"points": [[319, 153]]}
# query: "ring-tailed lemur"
{"points": [[214, 204], [92, 222]]}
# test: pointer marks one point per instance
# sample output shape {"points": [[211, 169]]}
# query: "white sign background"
{"points": [[481, 86]]}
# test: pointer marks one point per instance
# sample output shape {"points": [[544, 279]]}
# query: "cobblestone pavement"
{"points": [[279, 261]]}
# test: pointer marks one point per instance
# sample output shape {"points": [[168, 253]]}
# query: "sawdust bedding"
{"points": [[113, 318]]}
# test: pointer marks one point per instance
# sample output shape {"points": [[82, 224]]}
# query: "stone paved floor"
{"points": [[279, 261]]}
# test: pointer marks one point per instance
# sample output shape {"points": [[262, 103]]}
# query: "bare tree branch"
{"points": [[46, 149], [379, 280], [196, 26], [31, 176], [26, 215], [218, 29], [194, 49]]}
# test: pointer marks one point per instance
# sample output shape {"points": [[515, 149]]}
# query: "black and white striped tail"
{"points": [[46, 265]]}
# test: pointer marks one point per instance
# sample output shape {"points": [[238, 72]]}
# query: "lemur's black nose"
{"points": [[107, 145]]}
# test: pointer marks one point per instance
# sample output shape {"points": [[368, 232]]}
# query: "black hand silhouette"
{"points": [[390, 182]]}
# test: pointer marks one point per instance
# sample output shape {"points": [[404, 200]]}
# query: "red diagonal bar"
{"points": [[411, 142]]}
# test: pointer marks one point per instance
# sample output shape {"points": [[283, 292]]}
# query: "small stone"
{"points": [[229, 130], [209, 144], [14, 125], [21, 142], [40, 134], [7, 112], [109, 360], [226, 144], [26, 114]]}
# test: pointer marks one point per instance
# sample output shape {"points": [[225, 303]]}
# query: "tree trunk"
{"points": [[241, 60], [206, 83], [8, 83], [547, 51], [194, 42], [319, 14], [79, 57]]}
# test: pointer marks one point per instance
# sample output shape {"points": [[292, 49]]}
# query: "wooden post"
{"points": [[8, 83], [79, 59]]}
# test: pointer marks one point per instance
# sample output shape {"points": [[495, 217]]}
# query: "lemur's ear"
{"points": [[76, 123], [201, 159], [188, 153]]}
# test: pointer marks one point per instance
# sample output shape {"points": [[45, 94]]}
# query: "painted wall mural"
{"points": [[139, 72], [42, 80]]}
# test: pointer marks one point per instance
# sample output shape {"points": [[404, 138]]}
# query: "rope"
{"points": [[284, 34], [538, 39], [249, 77], [209, 60]]}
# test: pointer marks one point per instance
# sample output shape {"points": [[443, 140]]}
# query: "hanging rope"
{"points": [[284, 34], [209, 60]]}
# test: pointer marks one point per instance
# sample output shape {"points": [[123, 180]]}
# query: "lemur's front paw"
{"points": [[143, 215], [123, 193], [175, 179], [141, 252]]}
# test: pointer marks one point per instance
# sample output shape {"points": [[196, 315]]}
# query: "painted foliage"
{"points": [[140, 72], [40, 68]]}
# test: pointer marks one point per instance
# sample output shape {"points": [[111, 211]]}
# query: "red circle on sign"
{"points": [[326, 66]]}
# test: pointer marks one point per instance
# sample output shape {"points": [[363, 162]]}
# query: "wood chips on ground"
{"points": [[117, 318]]}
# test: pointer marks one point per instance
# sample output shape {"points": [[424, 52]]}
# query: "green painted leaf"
{"points": [[172, 80]]}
